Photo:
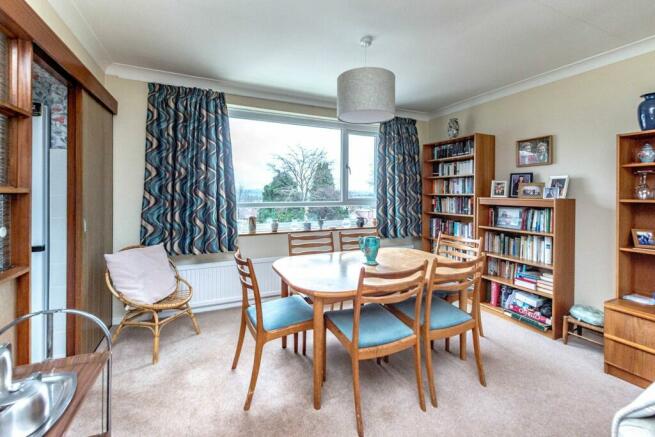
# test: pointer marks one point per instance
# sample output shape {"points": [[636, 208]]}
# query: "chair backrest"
{"points": [[349, 240], [389, 288], [249, 283], [461, 277], [458, 248], [310, 243]]}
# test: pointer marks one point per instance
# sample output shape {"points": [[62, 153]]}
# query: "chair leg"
{"points": [[430, 371], [386, 358], [259, 346], [419, 377], [155, 342], [118, 331], [431, 345], [462, 346], [242, 333], [358, 401], [193, 320], [295, 342], [379, 361], [479, 315], [447, 345], [304, 343], [478, 358], [324, 356]]}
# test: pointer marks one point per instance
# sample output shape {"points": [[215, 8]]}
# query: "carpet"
{"points": [[534, 386]]}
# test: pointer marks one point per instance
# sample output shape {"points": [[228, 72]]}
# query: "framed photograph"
{"points": [[561, 183], [499, 188], [515, 179], [551, 192], [534, 151], [533, 190], [508, 217], [644, 238]]}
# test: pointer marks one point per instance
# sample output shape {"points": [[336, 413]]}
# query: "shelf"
{"points": [[501, 313], [638, 250], [638, 164], [469, 175], [13, 272], [521, 260], [450, 214], [13, 111], [637, 201], [452, 158], [510, 283], [447, 195], [6, 189], [519, 202], [516, 231]]}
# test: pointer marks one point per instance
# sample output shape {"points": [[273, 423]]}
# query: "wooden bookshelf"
{"points": [[483, 159], [630, 327], [563, 251]]}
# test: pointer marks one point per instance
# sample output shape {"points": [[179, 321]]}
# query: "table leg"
{"points": [[319, 339], [284, 292]]}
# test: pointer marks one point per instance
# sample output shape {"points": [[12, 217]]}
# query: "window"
{"points": [[300, 169]]}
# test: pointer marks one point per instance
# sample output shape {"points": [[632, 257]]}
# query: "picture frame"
{"points": [[499, 188], [532, 190], [509, 217], [534, 151], [644, 238], [518, 178], [560, 182], [551, 192]]}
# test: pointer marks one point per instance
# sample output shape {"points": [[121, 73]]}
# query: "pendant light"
{"points": [[366, 94]]}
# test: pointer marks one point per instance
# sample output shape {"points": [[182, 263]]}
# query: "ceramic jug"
{"points": [[370, 247]]}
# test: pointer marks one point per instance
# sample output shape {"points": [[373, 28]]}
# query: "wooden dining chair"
{"points": [[369, 330], [459, 249], [266, 321], [349, 240], [441, 319]]}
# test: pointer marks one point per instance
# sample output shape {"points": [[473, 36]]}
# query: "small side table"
{"points": [[577, 326]]}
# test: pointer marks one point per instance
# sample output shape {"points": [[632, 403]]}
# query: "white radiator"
{"points": [[216, 285]]}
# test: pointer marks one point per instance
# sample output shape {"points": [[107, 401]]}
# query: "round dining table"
{"points": [[332, 277]]}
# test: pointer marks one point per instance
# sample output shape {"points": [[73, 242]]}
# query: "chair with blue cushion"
{"points": [[369, 330], [440, 318], [266, 321]]}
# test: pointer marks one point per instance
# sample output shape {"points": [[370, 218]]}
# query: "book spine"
{"points": [[528, 321]]}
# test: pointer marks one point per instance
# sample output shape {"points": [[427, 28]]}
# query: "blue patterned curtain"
{"points": [[398, 179], [189, 199]]}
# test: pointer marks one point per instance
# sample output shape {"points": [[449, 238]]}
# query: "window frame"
{"points": [[346, 129]]}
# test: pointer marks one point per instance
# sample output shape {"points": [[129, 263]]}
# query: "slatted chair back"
{"points": [[248, 283], [458, 248], [310, 243], [387, 289], [459, 278], [349, 240]]}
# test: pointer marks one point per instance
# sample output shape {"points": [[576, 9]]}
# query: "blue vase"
{"points": [[646, 112], [370, 247]]}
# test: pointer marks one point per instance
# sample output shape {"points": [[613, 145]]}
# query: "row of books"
{"points": [[453, 168], [453, 205], [453, 149], [521, 275], [450, 227], [526, 219], [520, 305], [528, 247], [545, 282], [462, 185]]}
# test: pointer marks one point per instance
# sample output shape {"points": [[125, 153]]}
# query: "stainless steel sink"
{"points": [[31, 406]]}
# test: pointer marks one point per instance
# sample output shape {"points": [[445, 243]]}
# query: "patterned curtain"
{"points": [[398, 179], [189, 199]]}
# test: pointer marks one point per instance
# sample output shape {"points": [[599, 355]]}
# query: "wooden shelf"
{"points": [[638, 164], [469, 175], [638, 250], [13, 273], [516, 231], [450, 214], [636, 201], [510, 283], [447, 195], [452, 158], [520, 260], [13, 111], [6, 189], [518, 203], [501, 313]]}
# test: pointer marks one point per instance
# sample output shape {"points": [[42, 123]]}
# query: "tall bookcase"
{"points": [[629, 326], [467, 168], [562, 233]]}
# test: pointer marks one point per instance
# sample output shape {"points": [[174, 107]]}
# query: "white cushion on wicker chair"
{"points": [[142, 274]]}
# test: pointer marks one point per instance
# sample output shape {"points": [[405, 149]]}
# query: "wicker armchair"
{"points": [[178, 300]]}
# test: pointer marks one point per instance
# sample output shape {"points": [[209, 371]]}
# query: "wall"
{"points": [[584, 113]]}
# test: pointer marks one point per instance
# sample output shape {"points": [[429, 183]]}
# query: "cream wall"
{"points": [[583, 113]]}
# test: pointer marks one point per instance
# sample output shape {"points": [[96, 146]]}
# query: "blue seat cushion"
{"points": [[283, 312], [442, 315], [377, 326]]}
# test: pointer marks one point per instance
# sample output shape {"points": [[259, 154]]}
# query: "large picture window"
{"points": [[301, 169]]}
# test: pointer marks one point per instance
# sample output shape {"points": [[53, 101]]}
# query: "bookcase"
{"points": [[543, 244], [455, 173], [629, 326]]}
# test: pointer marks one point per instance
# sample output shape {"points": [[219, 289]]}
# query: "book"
{"points": [[525, 284], [535, 315], [530, 299], [528, 321], [495, 294]]}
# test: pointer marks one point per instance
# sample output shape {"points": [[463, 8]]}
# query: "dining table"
{"points": [[327, 278]]}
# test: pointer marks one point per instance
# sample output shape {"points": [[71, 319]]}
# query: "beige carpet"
{"points": [[534, 386]]}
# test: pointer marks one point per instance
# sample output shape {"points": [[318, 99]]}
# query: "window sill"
{"points": [[300, 231]]}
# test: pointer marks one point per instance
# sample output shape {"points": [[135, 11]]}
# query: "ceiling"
{"points": [[442, 51]]}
